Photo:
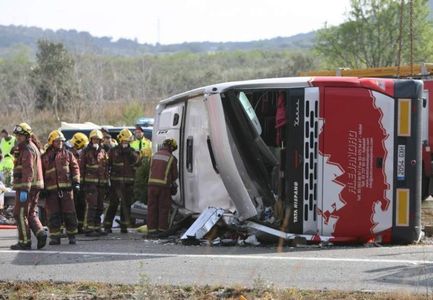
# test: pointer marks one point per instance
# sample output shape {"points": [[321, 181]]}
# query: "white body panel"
{"points": [[203, 187]]}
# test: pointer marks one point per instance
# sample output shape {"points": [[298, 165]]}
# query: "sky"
{"points": [[177, 21]]}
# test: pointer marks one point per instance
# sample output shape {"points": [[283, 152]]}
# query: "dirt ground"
{"points": [[83, 290]]}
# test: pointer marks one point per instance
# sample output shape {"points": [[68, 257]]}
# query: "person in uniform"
{"points": [[61, 176], [28, 182]]}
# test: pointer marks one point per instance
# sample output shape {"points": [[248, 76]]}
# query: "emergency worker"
{"points": [[144, 147], [108, 142], [94, 173], [122, 160], [61, 176], [28, 182], [7, 143], [162, 176], [141, 143], [78, 142]]}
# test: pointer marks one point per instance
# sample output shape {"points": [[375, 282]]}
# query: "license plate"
{"points": [[401, 162]]}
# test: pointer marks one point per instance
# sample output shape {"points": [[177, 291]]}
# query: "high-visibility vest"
{"points": [[6, 146], [141, 144]]}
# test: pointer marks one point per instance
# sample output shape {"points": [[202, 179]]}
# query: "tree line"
{"points": [[63, 85]]}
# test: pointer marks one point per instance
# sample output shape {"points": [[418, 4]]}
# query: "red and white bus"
{"points": [[340, 155]]}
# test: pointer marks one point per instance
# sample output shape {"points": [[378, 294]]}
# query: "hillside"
{"points": [[84, 42]]}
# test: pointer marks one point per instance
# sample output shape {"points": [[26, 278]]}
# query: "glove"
{"points": [[173, 189], [76, 186], [23, 196], [43, 194]]}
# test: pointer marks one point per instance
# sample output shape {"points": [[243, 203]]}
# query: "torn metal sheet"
{"points": [[204, 223], [139, 210], [286, 235]]}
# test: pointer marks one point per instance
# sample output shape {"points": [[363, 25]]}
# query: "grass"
{"points": [[146, 290]]}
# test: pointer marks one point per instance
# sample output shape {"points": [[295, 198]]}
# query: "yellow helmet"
{"points": [[55, 135], [170, 143], [23, 128], [79, 140], [125, 135], [96, 133]]}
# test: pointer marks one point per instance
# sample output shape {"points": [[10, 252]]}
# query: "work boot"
{"points": [[123, 230], [80, 229], [152, 235], [72, 240], [42, 239], [54, 241], [93, 233], [22, 246], [102, 232]]}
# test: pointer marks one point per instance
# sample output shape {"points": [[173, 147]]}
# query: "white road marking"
{"points": [[278, 257]]}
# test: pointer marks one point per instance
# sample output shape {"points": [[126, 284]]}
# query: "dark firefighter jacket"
{"points": [[122, 164], [163, 169], [28, 168], [93, 166], [60, 169]]}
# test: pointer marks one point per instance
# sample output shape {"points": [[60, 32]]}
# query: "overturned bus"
{"points": [[326, 158]]}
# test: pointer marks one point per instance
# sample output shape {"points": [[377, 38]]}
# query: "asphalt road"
{"points": [[127, 258]]}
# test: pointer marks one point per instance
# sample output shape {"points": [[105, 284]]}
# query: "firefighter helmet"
{"points": [[55, 135], [79, 140], [23, 129], [170, 143], [125, 135], [96, 133]]}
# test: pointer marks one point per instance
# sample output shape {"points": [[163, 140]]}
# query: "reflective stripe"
{"points": [[23, 225], [24, 185], [18, 167], [75, 231], [50, 171], [39, 184], [51, 187], [161, 157], [91, 180], [122, 178], [167, 169], [60, 185], [76, 178], [118, 164], [85, 215], [92, 166]]}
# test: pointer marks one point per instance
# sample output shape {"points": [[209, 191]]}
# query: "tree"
{"points": [[371, 35], [53, 77], [16, 93]]}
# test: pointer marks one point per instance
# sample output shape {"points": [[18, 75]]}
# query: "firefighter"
{"points": [[28, 182], [162, 176], [94, 172], [122, 160], [108, 142], [141, 143], [78, 142], [61, 176]]}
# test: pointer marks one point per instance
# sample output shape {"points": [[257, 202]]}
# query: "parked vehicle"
{"points": [[323, 157], [69, 129]]}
